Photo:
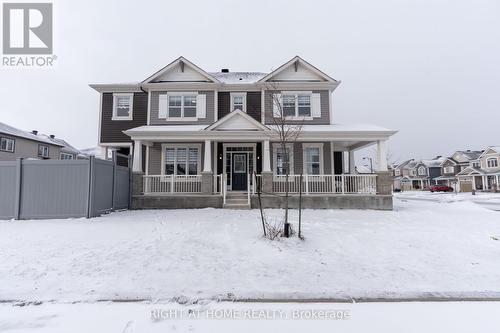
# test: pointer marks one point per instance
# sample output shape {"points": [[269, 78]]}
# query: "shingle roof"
{"points": [[9, 130], [238, 77], [436, 162], [470, 154], [67, 148]]}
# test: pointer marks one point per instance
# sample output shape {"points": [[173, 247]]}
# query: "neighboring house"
{"points": [[483, 172], [16, 143], [400, 173], [417, 175], [193, 131]]}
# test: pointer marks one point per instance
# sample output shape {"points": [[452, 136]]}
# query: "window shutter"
{"points": [[163, 106], [316, 105], [276, 108], [201, 106]]}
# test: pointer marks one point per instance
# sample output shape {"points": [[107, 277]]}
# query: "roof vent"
{"points": [[224, 70], [34, 132], [52, 136]]}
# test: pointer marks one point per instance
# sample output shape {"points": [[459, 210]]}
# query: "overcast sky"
{"points": [[430, 69]]}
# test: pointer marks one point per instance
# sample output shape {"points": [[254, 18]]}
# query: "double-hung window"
{"points": [[122, 106], [421, 171], [492, 162], [182, 106], [283, 159], [238, 101], [7, 145], [43, 151], [313, 158], [296, 105], [448, 169], [181, 160]]}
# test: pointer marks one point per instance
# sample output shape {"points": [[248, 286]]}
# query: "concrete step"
{"points": [[237, 201], [236, 206]]}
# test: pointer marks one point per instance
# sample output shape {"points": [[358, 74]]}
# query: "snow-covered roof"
{"points": [[238, 77], [93, 151], [346, 128], [470, 154], [67, 148], [9, 130], [436, 162]]}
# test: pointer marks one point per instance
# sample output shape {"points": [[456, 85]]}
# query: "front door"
{"points": [[239, 172]]}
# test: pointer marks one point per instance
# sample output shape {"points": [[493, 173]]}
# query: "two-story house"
{"points": [[206, 139], [483, 172]]}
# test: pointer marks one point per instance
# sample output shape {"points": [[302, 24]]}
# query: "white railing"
{"points": [[224, 188], [218, 184], [171, 184], [311, 184]]}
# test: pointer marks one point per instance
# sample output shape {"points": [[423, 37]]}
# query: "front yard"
{"points": [[419, 249]]}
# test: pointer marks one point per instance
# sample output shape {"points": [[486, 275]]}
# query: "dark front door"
{"points": [[239, 172]]}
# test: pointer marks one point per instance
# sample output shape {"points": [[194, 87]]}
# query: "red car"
{"points": [[441, 188]]}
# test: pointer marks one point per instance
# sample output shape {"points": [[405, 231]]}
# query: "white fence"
{"points": [[172, 184], [312, 184]]}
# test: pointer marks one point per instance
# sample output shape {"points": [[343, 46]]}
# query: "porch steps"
{"points": [[236, 200]]}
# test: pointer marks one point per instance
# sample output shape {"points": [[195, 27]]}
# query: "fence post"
{"points": [[19, 184], [90, 198], [113, 186]]}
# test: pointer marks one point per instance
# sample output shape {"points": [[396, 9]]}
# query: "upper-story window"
{"points": [[122, 106], [474, 165], [296, 105], [449, 169], [413, 172], [7, 145], [492, 162], [397, 172], [66, 156], [238, 101], [181, 106], [421, 171], [43, 151]]}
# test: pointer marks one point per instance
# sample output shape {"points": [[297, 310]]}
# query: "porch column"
{"points": [[352, 163], [207, 174], [266, 157], [498, 183], [421, 184], [207, 161], [382, 155], [137, 159], [104, 152], [485, 183], [474, 183]]}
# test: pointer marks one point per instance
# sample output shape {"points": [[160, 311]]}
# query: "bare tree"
{"points": [[285, 131]]}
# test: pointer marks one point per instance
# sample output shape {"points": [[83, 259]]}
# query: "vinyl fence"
{"points": [[43, 189]]}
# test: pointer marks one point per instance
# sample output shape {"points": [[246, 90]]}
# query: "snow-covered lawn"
{"points": [[223, 317], [449, 196], [419, 249]]}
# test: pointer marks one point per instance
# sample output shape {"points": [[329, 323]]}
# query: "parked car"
{"points": [[441, 188]]}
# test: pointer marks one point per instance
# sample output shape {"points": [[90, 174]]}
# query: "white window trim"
{"points": [[296, 97], [239, 94], [413, 172], [420, 173], [130, 116], [491, 159], [164, 146], [304, 161], [275, 158], [66, 154], [181, 94], [397, 172], [7, 145], [42, 155], [449, 169]]}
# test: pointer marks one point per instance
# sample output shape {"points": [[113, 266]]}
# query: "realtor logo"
{"points": [[27, 28]]}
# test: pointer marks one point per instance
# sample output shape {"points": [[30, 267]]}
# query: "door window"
{"points": [[240, 165]]}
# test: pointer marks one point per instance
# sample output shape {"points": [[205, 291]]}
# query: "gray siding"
{"points": [[446, 164], [112, 130], [154, 120], [24, 148], [154, 167], [325, 108]]}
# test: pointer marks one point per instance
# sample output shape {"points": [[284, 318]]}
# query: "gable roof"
{"points": [[434, 163], [471, 171], [296, 61], [66, 147], [240, 120], [448, 159], [487, 150], [469, 154], [181, 61], [238, 77], [9, 130]]}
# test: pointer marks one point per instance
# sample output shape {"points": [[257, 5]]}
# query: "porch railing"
{"points": [[317, 184], [172, 184]]}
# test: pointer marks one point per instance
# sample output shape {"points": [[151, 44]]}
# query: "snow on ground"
{"points": [[448, 196], [419, 249], [233, 317]]}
